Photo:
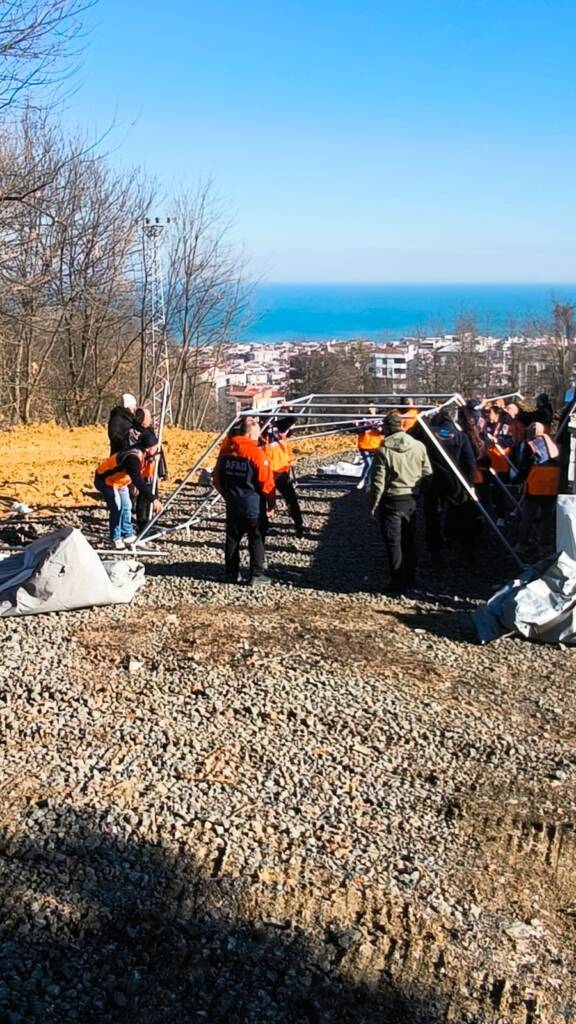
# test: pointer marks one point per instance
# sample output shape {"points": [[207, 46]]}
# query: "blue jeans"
{"points": [[119, 507], [368, 459]]}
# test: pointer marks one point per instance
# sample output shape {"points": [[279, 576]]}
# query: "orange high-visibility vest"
{"points": [[111, 468], [369, 440], [543, 481], [409, 418], [280, 455], [497, 461], [149, 466]]}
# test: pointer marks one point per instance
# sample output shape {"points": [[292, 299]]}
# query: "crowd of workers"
{"points": [[505, 457], [500, 454]]}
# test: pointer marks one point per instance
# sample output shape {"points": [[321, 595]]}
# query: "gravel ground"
{"points": [[301, 803]]}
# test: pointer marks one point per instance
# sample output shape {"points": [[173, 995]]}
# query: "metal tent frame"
{"points": [[314, 413]]}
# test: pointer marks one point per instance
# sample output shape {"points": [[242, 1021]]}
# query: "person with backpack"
{"points": [[112, 479]]}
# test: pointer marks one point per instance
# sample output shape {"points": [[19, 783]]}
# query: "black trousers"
{"points": [[143, 505], [434, 519], [398, 525], [240, 522], [286, 488], [545, 504]]}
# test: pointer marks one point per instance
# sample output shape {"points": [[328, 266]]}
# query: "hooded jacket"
{"points": [[243, 474], [400, 464], [120, 424]]}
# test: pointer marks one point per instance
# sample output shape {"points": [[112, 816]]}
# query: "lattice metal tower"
{"points": [[156, 361]]}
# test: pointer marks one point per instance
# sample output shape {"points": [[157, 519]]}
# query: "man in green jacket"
{"points": [[400, 465]]}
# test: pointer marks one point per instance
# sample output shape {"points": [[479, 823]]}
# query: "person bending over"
{"points": [[113, 478]]}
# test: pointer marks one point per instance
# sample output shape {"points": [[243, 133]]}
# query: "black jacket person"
{"points": [[121, 422], [447, 499]]}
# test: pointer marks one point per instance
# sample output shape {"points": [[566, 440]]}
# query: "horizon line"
{"points": [[429, 284]]}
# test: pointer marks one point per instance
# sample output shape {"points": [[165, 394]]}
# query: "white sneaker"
{"points": [[361, 485], [118, 545], [129, 541]]}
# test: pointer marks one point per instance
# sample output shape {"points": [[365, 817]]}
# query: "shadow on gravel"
{"points": [[213, 571], [442, 622], [98, 925], [350, 558]]}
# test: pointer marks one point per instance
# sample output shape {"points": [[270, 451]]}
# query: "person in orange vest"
{"points": [[152, 456], [243, 476], [408, 412], [540, 472], [112, 479], [280, 456], [369, 440], [499, 447]]}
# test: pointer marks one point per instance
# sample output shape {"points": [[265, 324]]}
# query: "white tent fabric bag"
{"points": [[566, 524], [61, 571], [540, 605]]}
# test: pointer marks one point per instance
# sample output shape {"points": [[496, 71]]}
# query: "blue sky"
{"points": [[365, 141]]}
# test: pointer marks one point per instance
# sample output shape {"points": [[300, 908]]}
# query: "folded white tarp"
{"points": [[566, 524], [352, 469], [61, 571], [540, 605]]}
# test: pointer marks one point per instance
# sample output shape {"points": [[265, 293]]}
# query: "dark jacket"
{"points": [[457, 446], [243, 475], [120, 423]]}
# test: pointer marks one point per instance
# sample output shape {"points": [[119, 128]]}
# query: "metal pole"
{"points": [[513, 394], [165, 394], [504, 488], [166, 531], [199, 462], [324, 433], [382, 394], [470, 490]]}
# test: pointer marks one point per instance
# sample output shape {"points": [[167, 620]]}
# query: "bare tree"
{"points": [[548, 362], [205, 299], [333, 370], [563, 348], [38, 45], [69, 326]]}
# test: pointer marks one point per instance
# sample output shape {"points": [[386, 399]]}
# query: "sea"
{"points": [[385, 312]]}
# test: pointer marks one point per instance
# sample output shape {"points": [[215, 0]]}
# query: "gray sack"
{"points": [[61, 571], [540, 605]]}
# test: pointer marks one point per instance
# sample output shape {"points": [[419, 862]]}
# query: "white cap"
{"points": [[128, 401]]}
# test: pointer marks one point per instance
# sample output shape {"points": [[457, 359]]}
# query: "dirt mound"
{"points": [[49, 465]]}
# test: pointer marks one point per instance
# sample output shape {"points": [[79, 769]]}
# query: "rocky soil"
{"points": [[300, 803]]}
